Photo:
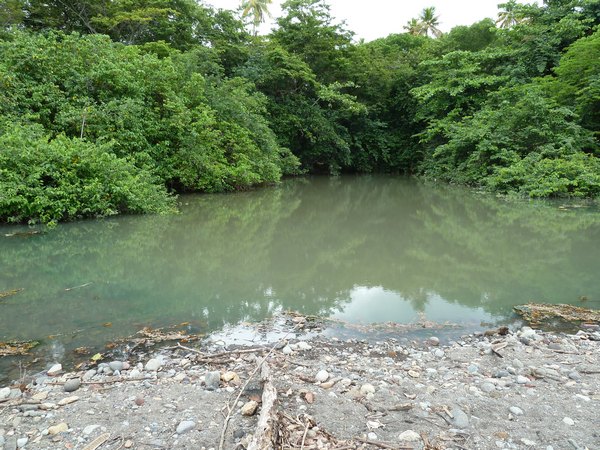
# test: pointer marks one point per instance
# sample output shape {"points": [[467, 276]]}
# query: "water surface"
{"points": [[361, 249]]}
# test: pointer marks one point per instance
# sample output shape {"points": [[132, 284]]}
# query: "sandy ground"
{"points": [[525, 389]]}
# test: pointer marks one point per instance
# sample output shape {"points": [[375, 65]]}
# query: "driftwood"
{"points": [[265, 436]]}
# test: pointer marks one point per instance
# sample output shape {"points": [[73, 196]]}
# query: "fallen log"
{"points": [[265, 437]]}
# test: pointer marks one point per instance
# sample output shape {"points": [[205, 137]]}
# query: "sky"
{"points": [[378, 18]]}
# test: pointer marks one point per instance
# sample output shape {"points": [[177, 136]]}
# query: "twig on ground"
{"points": [[304, 435]]}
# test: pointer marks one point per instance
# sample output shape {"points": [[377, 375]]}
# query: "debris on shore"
{"points": [[523, 389]]}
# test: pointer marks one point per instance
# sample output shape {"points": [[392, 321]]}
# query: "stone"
{"points": [[501, 373], [11, 443], [4, 393], [90, 429], [366, 389], [515, 410], [139, 400], [322, 376], [460, 420], [116, 365], [414, 373], [40, 396], [574, 375], [435, 341], [302, 345], [153, 365], [229, 376], [249, 408], [522, 380], [528, 442], [488, 387], [185, 426], [287, 350], [60, 428], [409, 436], [54, 370], [212, 380], [372, 436], [68, 400], [568, 421], [72, 385], [22, 442], [439, 353]]}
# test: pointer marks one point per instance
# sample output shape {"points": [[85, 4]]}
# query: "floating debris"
{"points": [[16, 347], [9, 293], [542, 312]]}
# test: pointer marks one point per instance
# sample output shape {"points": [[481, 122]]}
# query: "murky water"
{"points": [[362, 249]]}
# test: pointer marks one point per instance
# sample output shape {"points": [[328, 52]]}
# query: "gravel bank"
{"points": [[521, 390]]}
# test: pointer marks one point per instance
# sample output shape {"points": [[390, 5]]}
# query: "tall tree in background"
{"points": [[430, 22], [259, 9], [414, 27], [510, 15]]}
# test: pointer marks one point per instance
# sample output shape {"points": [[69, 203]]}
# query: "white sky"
{"points": [[378, 18]]}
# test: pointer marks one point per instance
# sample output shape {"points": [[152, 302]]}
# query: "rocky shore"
{"points": [[522, 389]]}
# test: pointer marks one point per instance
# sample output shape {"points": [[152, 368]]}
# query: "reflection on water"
{"points": [[372, 248]]}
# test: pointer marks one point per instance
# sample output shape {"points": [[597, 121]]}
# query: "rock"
{"points": [[304, 346], [574, 375], [153, 365], [185, 426], [60, 428], [287, 350], [212, 380], [139, 400], [229, 376], [54, 370], [22, 442], [522, 380], [372, 436], [439, 353], [488, 387], [90, 429], [501, 373], [72, 385], [460, 420], [68, 400], [435, 341], [414, 373], [322, 376], [528, 442], [116, 365], [11, 443], [473, 368], [135, 373], [249, 408], [4, 393], [527, 333], [515, 410], [409, 436], [568, 421], [366, 389]]}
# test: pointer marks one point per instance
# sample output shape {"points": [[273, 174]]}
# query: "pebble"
{"points": [[409, 436], [366, 389], [72, 385], [568, 421], [116, 365], [68, 400], [153, 365], [54, 370], [90, 429], [11, 443], [522, 380], [302, 345], [287, 350], [433, 340], [322, 376], [516, 410], [574, 375], [488, 387], [460, 420], [60, 428], [4, 393], [439, 353], [185, 426], [372, 436], [501, 373], [212, 380], [249, 408], [22, 442]]}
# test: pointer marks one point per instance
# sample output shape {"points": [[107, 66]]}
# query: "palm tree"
{"points": [[511, 15], [414, 27], [429, 22], [259, 9]]}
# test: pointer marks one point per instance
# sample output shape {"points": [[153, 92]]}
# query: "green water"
{"points": [[363, 249]]}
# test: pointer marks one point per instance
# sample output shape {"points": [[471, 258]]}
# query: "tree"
{"points": [[510, 15], [429, 22], [414, 27], [258, 9]]}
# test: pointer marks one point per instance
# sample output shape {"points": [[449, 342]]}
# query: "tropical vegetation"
{"points": [[115, 106]]}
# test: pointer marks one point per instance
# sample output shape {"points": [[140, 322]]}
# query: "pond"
{"points": [[360, 249]]}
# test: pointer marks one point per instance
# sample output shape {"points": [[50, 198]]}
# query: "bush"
{"points": [[50, 180]]}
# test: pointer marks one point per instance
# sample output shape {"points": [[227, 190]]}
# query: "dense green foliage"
{"points": [[114, 106]]}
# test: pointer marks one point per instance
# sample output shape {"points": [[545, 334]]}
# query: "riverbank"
{"points": [[520, 390]]}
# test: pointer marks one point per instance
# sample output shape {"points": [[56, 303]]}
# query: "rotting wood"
{"points": [[265, 436]]}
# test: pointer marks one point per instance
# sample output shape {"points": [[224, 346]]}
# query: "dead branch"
{"points": [[266, 430]]}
